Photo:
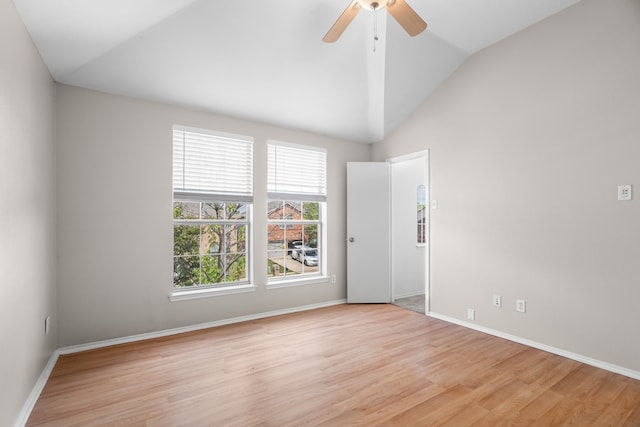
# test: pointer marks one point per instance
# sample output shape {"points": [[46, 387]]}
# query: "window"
{"points": [[296, 188], [212, 198], [422, 215]]}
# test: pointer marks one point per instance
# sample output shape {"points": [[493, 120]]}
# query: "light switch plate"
{"points": [[625, 192], [497, 301]]}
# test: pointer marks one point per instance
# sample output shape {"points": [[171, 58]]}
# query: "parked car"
{"points": [[294, 244], [305, 255]]}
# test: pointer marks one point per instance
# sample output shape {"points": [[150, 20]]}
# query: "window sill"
{"points": [[210, 292], [287, 283]]}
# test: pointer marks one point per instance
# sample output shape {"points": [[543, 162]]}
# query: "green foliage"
{"points": [[209, 253], [186, 240], [311, 211]]}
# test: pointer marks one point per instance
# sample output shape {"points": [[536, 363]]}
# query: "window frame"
{"points": [[276, 194], [216, 190], [203, 222], [296, 226]]}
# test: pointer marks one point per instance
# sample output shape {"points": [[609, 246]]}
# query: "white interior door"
{"points": [[368, 233]]}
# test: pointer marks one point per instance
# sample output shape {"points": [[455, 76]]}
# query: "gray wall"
{"points": [[528, 141], [27, 209], [115, 218]]}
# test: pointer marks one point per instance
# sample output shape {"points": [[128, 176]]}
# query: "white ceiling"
{"points": [[265, 60]]}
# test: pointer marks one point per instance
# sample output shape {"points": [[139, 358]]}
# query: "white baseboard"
{"points": [[560, 352], [25, 412]]}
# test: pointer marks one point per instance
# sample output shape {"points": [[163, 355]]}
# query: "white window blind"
{"points": [[296, 172], [209, 166]]}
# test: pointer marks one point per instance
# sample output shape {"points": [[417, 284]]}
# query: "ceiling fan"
{"points": [[399, 9]]}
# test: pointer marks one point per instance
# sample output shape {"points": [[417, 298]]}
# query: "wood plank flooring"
{"points": [[358, 365]]}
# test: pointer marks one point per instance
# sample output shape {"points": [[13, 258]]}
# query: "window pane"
{"points": [[276, 236], [212, 270], [186, 210], [275, 209], [186, 239], [224, 268], [234, 238], [236, 211], [210, 240], [276, 260], [292, 210], [235, 267], [310, 235], [310, 211], [305, 260], [240, 234], [275, 241], [280, 264], [186, 270], [213, 211]]}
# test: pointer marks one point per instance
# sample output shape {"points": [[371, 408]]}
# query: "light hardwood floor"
{"points": [[357, 365]]}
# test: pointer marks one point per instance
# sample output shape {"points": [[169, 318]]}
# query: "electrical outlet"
{"points": [[471, 314], [521, 306], [47, 325], [497, 301], [333, 278]]}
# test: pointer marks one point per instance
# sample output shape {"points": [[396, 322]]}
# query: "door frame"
{"points": [[424, 154]]}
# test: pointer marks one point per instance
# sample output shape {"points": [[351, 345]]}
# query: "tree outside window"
{"points": [[210, 243]]}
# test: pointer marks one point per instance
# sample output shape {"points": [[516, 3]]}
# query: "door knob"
{"points": [[351, 239]]}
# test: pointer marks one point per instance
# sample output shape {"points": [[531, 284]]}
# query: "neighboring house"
{"points": [[284, 232]]}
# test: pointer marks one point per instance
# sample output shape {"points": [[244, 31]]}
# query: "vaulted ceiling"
{"points": [[265, 60]]}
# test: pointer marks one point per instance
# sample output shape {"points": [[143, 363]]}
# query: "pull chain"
{"points": [[375, 28]]}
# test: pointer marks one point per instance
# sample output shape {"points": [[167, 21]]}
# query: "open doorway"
{"points": [[409, 231]]}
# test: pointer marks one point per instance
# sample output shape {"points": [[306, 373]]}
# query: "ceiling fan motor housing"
{"points": [[374, 4]]}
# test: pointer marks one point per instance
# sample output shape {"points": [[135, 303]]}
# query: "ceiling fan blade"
{"points": [[406, 17], [342, 23]]}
